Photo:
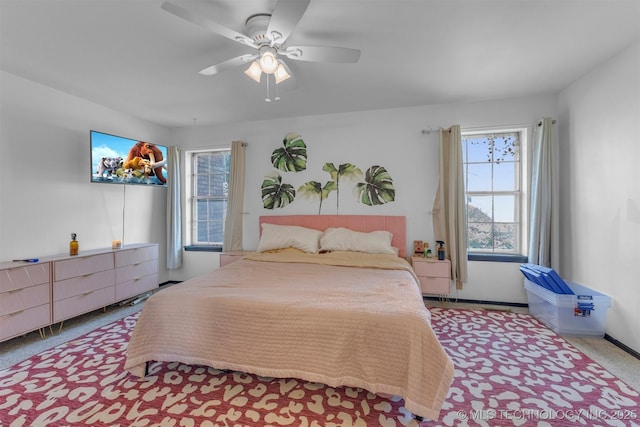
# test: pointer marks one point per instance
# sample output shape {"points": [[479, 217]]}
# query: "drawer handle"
{"points": [[87, 275], [137, 279], [15, 291], [16, 313], [87, 293]]}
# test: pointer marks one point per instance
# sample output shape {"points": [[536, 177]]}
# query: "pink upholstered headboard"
{"points": [[363, 223]]}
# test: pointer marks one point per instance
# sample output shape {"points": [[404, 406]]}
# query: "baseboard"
{"points": [[474, 301], [622, 346]]}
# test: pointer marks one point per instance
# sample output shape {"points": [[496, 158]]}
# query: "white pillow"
{"points": [[343, 239], [288, 236]]}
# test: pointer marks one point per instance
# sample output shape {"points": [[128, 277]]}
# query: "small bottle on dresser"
{"points": [[73, 245]]}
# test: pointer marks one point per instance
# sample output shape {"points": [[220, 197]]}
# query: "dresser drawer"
{"points": [[136, 255], [23, 299], [134, 271], [435, 285], [22, 277], [82, 284], [136, 286], [83, 265], [431, 268], [21, 322], [80, 304]]}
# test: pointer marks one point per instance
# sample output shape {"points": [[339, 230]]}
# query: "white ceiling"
{"points": [[135, 57]]}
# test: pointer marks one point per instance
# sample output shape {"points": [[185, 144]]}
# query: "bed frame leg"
{"points": [[146, 368]]}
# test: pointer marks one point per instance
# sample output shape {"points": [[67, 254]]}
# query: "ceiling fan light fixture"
{"points": [[267, 33], [254, 71], [268, 61], [281, 74]]}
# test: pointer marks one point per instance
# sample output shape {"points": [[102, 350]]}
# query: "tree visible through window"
{"points": [[492, 176], [210, 180]]}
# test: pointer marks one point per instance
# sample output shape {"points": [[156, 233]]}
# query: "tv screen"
{"points": [[119, 160]]}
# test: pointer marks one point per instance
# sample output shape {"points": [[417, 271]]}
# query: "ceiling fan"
{"points": [[267, 33]]}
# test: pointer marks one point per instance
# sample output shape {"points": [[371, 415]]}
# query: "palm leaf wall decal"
{"points": [[377, 188], [313, 189], [346, 171], [293, 156], [275, 194]]}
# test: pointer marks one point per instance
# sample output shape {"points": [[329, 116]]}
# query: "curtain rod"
{"points": [[209, 147], [428, 131]]}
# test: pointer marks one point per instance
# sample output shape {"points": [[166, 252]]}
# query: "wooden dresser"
{"points": [[33, 296]]}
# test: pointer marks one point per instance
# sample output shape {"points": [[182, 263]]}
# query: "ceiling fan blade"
{"points": [[321, 53], [208, 24], [284, 19], [238, 61]]}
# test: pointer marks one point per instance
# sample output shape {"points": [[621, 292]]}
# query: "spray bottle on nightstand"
{"points": [[441, 254]]}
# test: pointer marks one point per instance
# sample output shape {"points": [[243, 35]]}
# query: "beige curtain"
{"points": [[449, 223], [174, 209], [233, 220], [543, 221]]}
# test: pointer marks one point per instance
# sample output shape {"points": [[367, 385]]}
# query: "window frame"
{"points": [[519, 254], [191, 198]]}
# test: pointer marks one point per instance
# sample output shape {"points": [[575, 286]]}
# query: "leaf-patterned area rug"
{"points": [[510, 370]]}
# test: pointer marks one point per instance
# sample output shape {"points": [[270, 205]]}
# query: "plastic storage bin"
{"points": [[582, 314]]}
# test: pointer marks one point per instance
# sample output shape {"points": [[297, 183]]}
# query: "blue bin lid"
{"points": [[546, 277]]}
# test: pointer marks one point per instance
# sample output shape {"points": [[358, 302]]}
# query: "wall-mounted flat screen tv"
{"points": [[119, 160]]}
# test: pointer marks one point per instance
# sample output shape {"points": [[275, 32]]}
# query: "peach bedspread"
{"points": [[283, 315]]}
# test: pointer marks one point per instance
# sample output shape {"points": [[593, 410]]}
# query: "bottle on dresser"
{"points": [[73, 245]]}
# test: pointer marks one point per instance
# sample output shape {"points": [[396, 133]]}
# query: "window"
{"points": [[209, 190], [493, 179]]}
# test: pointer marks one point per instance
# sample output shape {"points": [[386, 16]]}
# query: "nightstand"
{"points": [[231, 256], [434, 275]]}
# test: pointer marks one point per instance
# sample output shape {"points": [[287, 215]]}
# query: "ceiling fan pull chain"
{"points": [[267, 99]]}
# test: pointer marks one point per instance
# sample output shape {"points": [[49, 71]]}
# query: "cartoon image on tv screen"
{"points": [[116, 159]]}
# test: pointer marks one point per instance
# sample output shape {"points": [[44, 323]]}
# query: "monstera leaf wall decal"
{"points": [[377, 188], [293, 156], [275, 194], [313, 190]]}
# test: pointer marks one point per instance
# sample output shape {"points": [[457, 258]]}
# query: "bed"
{"points": [[319, 308]]}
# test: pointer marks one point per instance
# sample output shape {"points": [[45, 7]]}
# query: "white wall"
{"points": [[45, 188], [600, 150], [391, 138]]}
